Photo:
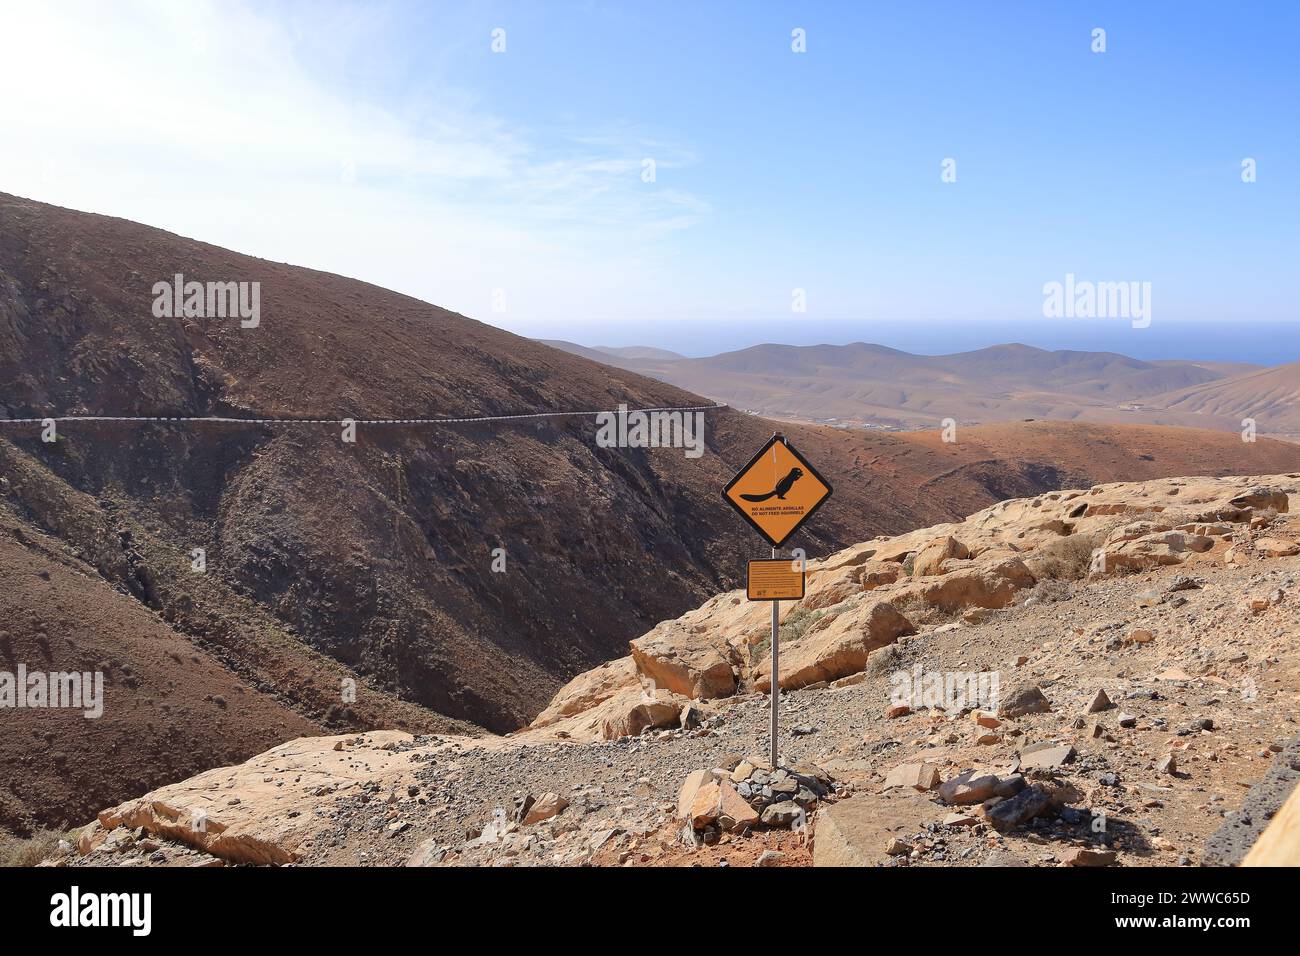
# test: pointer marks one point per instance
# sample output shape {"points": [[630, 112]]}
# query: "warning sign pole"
{"points": [[776, 682], [776, 492]]}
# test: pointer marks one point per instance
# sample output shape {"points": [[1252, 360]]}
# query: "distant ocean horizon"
{"points": [[1258, 343]]}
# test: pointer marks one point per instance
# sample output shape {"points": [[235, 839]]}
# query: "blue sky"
{"points": [[389, 142]]}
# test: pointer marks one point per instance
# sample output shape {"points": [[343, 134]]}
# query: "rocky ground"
{"points": [[1139, 697]]}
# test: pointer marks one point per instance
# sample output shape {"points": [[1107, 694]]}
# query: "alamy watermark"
{"points": [[949, 690], [209, 300], [74, 909], [655, 429], [1098, 300], [56, 690]]}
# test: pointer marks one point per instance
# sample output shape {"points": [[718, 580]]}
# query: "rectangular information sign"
{"points": [[775, 580]]}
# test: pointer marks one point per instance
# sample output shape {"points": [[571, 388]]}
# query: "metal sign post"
{"points": [[776, 682], [776, 493]]}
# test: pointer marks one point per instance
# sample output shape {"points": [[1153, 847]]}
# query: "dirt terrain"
{"points": [[1142, 640], [372, 562]]}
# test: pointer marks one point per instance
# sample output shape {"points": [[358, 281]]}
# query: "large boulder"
{"points": [[829, 588], [1261, 497], [631, 713], [1126, 551], [849, 833], [1023, 699], [875, 574], [685, 660], [588, 690], [834, 647], [930, 559], [268, 810], [990, 585]]}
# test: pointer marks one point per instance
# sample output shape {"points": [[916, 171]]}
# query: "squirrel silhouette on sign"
{"points": [[782, 487]]}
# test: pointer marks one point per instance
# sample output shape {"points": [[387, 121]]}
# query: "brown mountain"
{"points": [[328, 561], [872, 384], [1271, 396]]}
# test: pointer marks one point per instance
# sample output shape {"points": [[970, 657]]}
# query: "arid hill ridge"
{"points": [[859, 383]]}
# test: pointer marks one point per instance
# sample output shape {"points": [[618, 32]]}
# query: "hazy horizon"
{"points": [[1264, 344]]}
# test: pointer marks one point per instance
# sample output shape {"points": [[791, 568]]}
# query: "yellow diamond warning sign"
{"points": [[777, 491]]}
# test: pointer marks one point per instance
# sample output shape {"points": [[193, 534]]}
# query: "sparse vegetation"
{"points": [[29, 851], [797, 623], [1065, 560]]}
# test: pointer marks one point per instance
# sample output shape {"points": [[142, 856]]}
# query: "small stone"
{"points": [[1024, 806], [898, 847], [968, 788], [1168, 765], [548, 806], [735, 814], [1127, 720], [918, 776], [770, 858], [1082, 856], [1026, 699], [1100, 701], [1140, 635], [897, 710], [781, 814], [1046, 756]]}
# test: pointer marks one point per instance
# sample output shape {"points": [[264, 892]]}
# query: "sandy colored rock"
{"points": [[918, 776], [830, 588], [589, 689], [735, 815], [1277, 547], [706, 805], [1083, 856], [258, 828], [876, 574], [931, 559], [981, 585], [690, 786], [1100, 701], [847, 834], [629, 713], [547, 806], [837, 646], [968, 787], [683, 661]]}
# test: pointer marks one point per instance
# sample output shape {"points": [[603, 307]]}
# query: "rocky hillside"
{"points": [[1087, 677], [372, 562]]}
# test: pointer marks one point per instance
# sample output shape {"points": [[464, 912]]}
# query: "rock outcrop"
{"points": [[866, 597]]}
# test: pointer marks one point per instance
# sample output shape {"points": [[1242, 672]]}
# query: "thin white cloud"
{"points": [[200, 118]]}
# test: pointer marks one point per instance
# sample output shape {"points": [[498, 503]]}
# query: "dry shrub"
{"points": [[1065, 559], [28, 851]]}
